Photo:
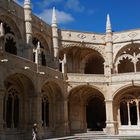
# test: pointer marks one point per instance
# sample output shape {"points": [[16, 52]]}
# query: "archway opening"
{"points": [[133, 113], [51, 96], [83, 60], [45, 111], [18, 89], [125, 66], [124, 113], [10, 41], [94, 65], [12, 35], [86, 109], [95, 114], [127, 107], [127, 59]]}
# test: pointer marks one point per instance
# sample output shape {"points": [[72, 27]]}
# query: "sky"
{"points": [[89, 15]]}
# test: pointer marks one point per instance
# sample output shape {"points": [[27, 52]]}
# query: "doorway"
{"points": [[95, 114]]}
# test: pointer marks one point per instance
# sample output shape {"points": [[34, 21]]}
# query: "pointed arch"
{"points": [[84, 101], [127, 58], [126, 106], [44, 44], [79, 60], [12, 35], [18, 89], [51, 96]]}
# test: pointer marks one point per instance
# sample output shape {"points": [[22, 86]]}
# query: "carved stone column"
{"points": [[110, 123], [128, 109], [138, 112], [119, 117], [66, 122]]}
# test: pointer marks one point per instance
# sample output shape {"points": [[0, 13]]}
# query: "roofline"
{"points": [[82, 31]]}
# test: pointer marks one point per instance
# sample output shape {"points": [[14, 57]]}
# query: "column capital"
{"points": [[109, 100]]}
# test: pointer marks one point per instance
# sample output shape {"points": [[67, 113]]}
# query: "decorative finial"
{"points": [[54, 19], [27, 3], [38, 47], [1, 30], [108, 25]]}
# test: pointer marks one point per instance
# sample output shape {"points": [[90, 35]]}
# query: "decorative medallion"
{"points": [[81, 36], [132, 35], [93, 37], [69, 34]]}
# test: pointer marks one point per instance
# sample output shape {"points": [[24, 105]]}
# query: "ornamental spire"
{"points": [[54, 19], [27, 2], [108, 25]]}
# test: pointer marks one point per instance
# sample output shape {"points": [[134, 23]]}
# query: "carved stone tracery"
{"points": [[99, 48]]}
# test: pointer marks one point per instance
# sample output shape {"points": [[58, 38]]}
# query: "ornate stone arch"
{"points": [[77, 52], [12, 24], [127, 49], [22, 73], [18, 89], [82, 101], [126, 104], [44, 42], [53, 91], [12, 38], [87, 59], [124, 88], [86, 86], [118, 49], [22, 81], [99, 49], [45, 49], [127, 55], [124, 56], [55, 81]]}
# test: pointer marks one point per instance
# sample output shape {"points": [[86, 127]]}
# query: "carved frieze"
{"points": [[115, 37], [103, 38]]}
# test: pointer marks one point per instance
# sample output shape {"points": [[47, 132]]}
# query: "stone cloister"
{"points": [[66, 81]]}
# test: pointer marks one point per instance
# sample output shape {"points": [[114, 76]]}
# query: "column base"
{"points": [[66, 128], [110, 128]]}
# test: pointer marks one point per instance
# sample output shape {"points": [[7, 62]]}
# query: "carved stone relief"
{"points": [[132, 35], [81, 36]]}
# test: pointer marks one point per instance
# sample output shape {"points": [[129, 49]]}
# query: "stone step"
{"points": [[96, 138], [90, 133], [98, 135]]}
